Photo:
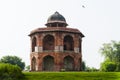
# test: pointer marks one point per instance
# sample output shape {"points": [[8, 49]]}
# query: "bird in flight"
{"points": [[83, 6]]}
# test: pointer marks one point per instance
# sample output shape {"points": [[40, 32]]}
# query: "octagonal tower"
{"points": [[56, 47]]}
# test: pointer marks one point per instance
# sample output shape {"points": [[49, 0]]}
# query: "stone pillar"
{"points": [[39, 60], [38, 47], [58, 42], [30, 65], [80, 46], [76, 43]]}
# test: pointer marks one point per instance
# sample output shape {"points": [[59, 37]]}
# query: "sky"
{"points": [[98, 20]]}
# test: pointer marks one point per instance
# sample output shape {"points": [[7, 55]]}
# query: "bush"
{"points": [[10, 72], [108, 66], [88, 69], [118, 67]]}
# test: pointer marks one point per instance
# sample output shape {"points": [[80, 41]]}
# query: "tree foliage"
{"points": [[28, 67], [86, 68], [91, 69], [108, 66], [10, 72], [83, 66], [111, 52], [14, 60]]}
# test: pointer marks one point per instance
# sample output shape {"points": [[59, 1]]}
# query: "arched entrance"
{"points": [[48, 42], [33, 44], [68, 63], [68, 43], [33, 64], [48, 63]]}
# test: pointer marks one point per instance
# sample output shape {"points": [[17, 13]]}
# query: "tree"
{"points": [[14, 60], [83, 66], [108, 66], [111, 52], [10, 72], [28, 67], [91, 69]]}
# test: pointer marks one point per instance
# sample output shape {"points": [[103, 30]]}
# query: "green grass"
{"points": [[71, 76]]}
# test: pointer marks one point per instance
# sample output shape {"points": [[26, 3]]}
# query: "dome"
{"points": [[56, 18]]}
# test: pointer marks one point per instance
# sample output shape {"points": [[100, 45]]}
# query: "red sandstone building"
{"points": [[56, 47]]}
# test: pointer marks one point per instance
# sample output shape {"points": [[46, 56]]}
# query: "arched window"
{"points": [[48, 42], [34, 44], [68, 63], [68, 43], [33, 64], [48, 63]]}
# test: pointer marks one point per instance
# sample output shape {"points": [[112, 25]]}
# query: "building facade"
{"points": [[56, 47]]}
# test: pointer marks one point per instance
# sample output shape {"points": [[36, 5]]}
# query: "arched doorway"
{"points": [[68, 63], [48, 42], [33, 64], [33, 44], [68, 43], [48, 63]]}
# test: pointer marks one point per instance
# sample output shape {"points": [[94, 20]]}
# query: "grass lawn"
{"points": [[71, 76]]}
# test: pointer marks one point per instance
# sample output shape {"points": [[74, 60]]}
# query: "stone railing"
{"points": [[64, 51]]}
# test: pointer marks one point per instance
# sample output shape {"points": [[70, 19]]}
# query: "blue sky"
{"points": [[99, 21]]}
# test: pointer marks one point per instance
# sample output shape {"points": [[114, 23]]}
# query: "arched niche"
{"points": [[48, 63], [33, 64], [34, 40], [68, 63], [68, 43], [48, 42]]}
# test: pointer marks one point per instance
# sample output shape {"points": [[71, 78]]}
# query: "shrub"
{"points": [[10, 72], [108, 66], [118, 67]]}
